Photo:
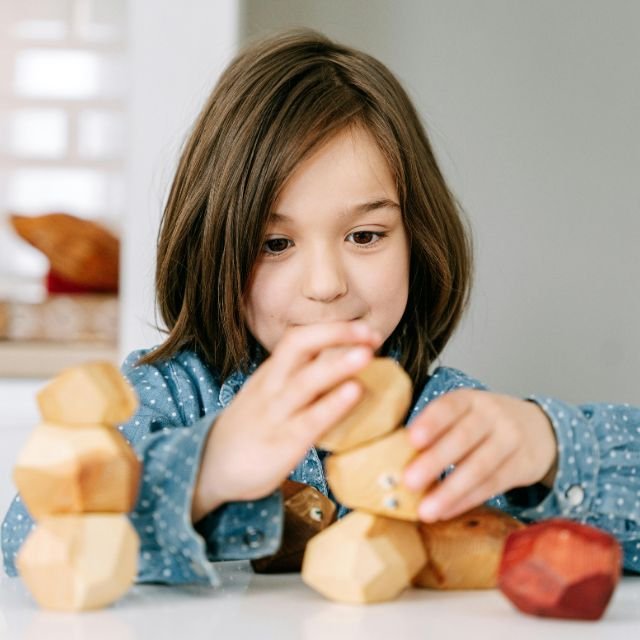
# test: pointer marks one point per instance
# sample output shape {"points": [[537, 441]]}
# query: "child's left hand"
{"points": [[497, 443]]}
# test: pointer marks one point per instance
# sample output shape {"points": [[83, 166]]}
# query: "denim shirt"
{"points": [[597, 482]]}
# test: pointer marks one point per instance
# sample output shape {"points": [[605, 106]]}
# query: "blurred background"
{"points": [[533, 110]]}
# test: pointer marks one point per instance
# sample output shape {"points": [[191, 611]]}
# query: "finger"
{"points": [[309, 425], [438, 416], [301, 344], [322, 375], [454, 445], [496, 483], [470, 473]]}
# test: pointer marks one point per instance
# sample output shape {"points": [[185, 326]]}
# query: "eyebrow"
{"points": [[357, 210]]}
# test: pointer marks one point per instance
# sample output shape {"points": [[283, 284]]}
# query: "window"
{"points": [[63, 84]]}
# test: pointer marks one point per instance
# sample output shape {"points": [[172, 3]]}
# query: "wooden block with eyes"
{"points": [[306, 513], [370, 477]]}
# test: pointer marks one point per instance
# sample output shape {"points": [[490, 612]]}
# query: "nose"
{"points": [[325, 277]]}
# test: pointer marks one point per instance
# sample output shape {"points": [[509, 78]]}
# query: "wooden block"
{"points": [[560, 569], [306, 513], [384, 403], [77, 469], [465, 552], [95, 392], [73, 563], [370, 477], [363, 558]]}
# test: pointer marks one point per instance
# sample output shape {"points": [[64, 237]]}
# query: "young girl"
{"points": [[309, 228]]}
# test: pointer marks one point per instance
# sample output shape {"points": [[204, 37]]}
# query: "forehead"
{"points": [[348, 172]]}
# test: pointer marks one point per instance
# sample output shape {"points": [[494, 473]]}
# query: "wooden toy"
{"points": [[465, 552], [560, 569], [73, 563], [89, 394], [306, 513], [74, 469], [77, 462], [363, 558], [370, 477], [382, 407]]}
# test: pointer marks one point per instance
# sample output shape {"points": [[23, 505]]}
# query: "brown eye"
{"points": [[275, 245], [364, 238]]}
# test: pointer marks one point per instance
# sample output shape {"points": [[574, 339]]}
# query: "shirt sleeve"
{"points": [[598, 477], [168, 433]]}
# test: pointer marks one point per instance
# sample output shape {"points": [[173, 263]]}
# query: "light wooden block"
{"points": [[370, 477], [306, 513], [74, 563], [386, 397], [95, 392], [363, 558], [77, 469], [465, 552]]}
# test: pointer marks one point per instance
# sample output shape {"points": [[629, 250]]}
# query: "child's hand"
{"points": [[284, 407], [496, 442]]}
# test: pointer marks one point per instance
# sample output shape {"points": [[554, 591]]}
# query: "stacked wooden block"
{"points": [[381, 548], [77, 476]]}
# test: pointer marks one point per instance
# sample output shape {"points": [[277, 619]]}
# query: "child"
{"points": [[308, 228]]}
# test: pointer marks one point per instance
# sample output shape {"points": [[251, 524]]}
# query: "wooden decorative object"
{"points": [[74, 563], [80, 251], [465, 552], [370, 477], [382, 407], [363, 558], [88, 394], [560, 569], [306, 513], [76, 469]]}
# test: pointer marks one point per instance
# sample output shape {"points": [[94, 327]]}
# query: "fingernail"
{"points": [[429, 510]]}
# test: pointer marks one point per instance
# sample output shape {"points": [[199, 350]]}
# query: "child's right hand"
{"points": [[288, 403]]}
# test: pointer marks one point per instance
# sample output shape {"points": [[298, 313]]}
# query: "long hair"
{"points": [[277, 102]]}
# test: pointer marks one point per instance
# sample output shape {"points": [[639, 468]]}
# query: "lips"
{"points": [[296, 324]]}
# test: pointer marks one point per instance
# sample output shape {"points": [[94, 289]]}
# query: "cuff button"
{"points": [[575, 495], [253, 537]]}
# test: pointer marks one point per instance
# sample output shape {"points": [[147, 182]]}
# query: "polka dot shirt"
{"points": [[598, 478]]}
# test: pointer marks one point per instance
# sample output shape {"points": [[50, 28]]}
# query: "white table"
{"points": [[281, 607]]}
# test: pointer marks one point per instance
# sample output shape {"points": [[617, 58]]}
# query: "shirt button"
{"points": [[253, 537], [575, 495]]}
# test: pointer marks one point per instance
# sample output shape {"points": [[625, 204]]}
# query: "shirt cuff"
{"points": [[575, 485], [244, 530]]}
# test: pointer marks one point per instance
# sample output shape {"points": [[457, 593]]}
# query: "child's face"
{"points": [[323, 262]]}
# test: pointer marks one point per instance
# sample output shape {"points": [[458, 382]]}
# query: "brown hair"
{"points": [[276, 102]]}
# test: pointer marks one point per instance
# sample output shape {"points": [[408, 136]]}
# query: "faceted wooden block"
{"points": [[77, 469], [363, 558], [95, 392], [306, 513], [560, 569], [73, 563], [465, 552], [370, 477], [384, 402]]}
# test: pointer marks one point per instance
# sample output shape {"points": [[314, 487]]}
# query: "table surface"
{"points": [[282, 606]]}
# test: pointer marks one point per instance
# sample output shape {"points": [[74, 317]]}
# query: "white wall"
{"points": [[533, 108], [177, 51]]}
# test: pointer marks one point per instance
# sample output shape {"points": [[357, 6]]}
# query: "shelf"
{"points": [[35, 359]]}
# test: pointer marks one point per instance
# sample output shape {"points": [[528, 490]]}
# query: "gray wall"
{"points": [[534, 110]]}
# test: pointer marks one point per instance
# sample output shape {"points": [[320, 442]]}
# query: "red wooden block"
{"points": [[560, 569]]}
